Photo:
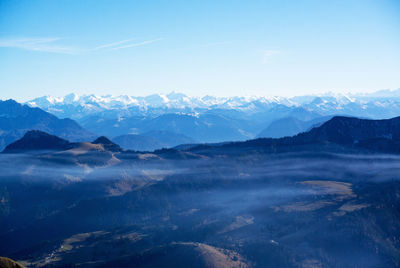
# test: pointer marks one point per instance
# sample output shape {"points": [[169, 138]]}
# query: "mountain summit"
{"points": [[351, 130], [36, 140], [107, 144]]}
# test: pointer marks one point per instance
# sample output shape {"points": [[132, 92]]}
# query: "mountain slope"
{"points": [[107, 144], [283, 127], [138, 142], [36, 140], [351, 130], [8, 263], [345, 132], [151, 140], [17, 119], [205, 128], [290, 126]]}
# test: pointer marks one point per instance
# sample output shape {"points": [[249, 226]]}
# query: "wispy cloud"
{"points": [[52, 45], [268, 54], [113, 44], [39, 44], [137, 44]]}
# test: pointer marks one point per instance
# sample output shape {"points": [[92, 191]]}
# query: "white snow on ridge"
{"points": [[172, 100], [177, 102]]}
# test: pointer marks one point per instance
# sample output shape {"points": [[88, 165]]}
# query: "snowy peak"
{"points": [[171, 100], [79, 106], [181, 101]]}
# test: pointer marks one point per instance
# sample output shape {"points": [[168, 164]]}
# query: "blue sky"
{"points": [[221, 48]]}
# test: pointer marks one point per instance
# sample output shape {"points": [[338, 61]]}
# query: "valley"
{"points": [[250, 204]]}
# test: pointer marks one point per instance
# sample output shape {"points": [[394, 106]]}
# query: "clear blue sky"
{"points": [[197, 47]]}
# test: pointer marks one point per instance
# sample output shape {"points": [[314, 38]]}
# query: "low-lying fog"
{"points": [[275, 203]]}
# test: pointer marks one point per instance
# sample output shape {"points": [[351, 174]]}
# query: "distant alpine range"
{"points": [[164, 121]]}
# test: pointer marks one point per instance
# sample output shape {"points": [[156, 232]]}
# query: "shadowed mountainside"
{"points": [[8, 263], [36, 140], [290, 126], [352, 133], [303, 201], [16, 119], [151, 140]]}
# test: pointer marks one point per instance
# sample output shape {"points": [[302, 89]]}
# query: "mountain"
{"points": [[107, 144], [151, 140], [16, 119], [170, 139], [39, 141], [100, 153], [36, 140], [354, 131], [338, 134], [206, 127], [290, 126], [139, 142]]}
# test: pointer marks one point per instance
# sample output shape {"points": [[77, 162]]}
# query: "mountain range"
{"points": [[336, 135], [144, 121], [215, 119], [349, 132], [94, 103], [141, 123], [73, 106]]}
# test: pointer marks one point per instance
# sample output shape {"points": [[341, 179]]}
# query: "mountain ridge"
{"points": [[16, 119], [350, 132], [36, 140], [365, 134], [182, 101]]}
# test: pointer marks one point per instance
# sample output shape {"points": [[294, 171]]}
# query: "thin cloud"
{"points": [[113, 44], [138, 44], [51, 45], [39, 44]]}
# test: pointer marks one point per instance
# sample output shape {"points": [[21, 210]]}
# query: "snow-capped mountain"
{"points": [[210, 118], [75, 106]]}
